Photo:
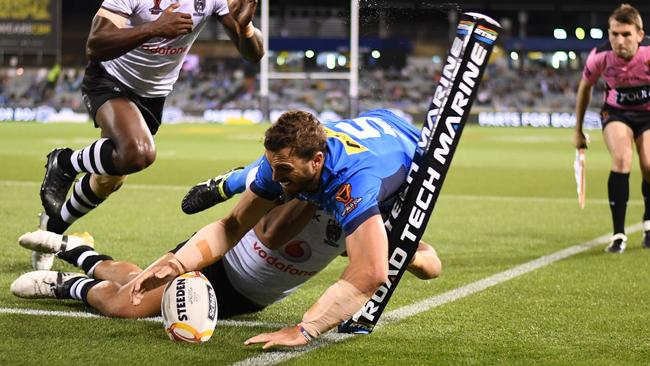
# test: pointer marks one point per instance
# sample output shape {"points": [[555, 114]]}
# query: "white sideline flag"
{"points": [[579, 172]]}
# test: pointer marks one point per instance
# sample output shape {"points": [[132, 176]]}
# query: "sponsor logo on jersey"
{"points": [[344, 195], [155, 10], [199, 7], [157, 50], [636, 95], [296, 251], [277, 263]]}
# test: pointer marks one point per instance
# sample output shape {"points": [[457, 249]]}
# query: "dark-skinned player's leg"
{"points": [[126, 147]]}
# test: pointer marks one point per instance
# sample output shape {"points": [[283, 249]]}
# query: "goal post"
{"points": [[352, 75]]}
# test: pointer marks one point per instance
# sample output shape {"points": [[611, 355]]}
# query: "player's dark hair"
{"points": [[298, 130], [627, 14]]}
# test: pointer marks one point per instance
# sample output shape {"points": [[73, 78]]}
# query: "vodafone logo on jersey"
{"points": [[296, 251], [278, 264], [157, 50]]}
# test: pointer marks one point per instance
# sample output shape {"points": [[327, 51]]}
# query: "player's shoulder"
{"points": [[218, 6], [603, 47]]}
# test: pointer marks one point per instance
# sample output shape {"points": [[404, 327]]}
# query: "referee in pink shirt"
{"points": [[624, 64]]}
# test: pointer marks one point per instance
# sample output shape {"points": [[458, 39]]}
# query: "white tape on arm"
{"points": [[338, 303], [115, 18], [204, 248]]}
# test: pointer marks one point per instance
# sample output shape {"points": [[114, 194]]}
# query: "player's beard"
{"points": [[624, 52], [306, 184]]}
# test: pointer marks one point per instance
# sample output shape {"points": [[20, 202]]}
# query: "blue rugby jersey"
{"points": [[366, 163]]}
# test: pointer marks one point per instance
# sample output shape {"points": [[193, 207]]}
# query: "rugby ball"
{"points": [[189, 308]]}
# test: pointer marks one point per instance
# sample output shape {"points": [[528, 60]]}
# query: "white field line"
{"points": [[157, 319], [274, 357], [127, 186]]}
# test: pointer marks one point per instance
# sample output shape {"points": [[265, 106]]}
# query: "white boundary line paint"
{"points": [[274, 357], [82, 314], [15, 183]]}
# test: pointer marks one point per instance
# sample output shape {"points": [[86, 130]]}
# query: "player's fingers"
{"points": [[269, 344], [135, 299], [162, 273], [257, 339], [171, 7]]}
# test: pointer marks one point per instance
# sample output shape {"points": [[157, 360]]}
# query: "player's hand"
{"points": [[242, 11], [171, 24], [287, 336], [150, 279], [580, 140]]}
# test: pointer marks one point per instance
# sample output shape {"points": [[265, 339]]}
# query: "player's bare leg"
{"points": [[121, 121], [104, 185], [643, 149], [618, 138], [108, 297], [126, 146], [116, 271], [425, 264], [113, 299]]}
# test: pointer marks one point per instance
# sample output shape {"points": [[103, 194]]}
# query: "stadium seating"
{"points": [[504, 89]]}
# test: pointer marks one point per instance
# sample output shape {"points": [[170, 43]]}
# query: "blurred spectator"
{"points": [[224, 85]]}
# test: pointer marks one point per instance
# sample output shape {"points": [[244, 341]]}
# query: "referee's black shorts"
{"points": [[638, 121], [98, 87], [229, 301]]}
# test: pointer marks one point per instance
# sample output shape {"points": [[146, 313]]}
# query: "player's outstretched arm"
{"points": [[583, 97], [110, 38], [239, 27], [205, 247], [367, 248], [425, 264]]}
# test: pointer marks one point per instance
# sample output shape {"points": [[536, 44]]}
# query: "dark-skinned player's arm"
{"points": [[239, 27], [110, 37]]}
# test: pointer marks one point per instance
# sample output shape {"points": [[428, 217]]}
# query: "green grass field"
{"points": [[509, 199]]}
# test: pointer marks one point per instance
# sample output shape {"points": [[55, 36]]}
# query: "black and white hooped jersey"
{"points": [[151, 69]]}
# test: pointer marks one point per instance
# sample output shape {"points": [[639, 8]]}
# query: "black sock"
{"points": [[645, 189], [84, 257], [76, 288], [56, 225], [618, 189]]}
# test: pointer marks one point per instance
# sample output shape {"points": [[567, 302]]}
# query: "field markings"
{"points": [[157, 319], [163, 187], [394, 316]]}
